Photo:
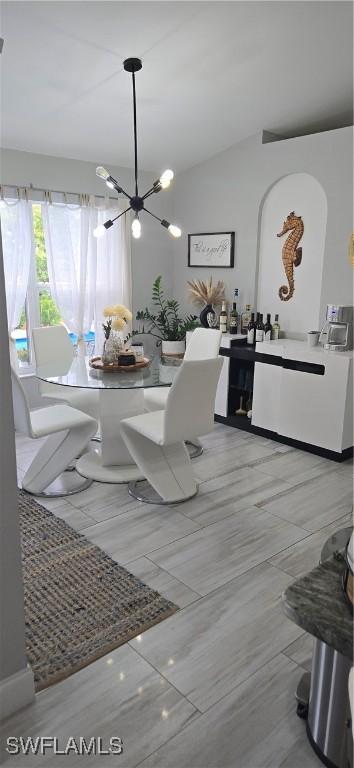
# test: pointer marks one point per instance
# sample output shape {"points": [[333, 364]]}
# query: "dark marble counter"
{"points": [[317, 603]]}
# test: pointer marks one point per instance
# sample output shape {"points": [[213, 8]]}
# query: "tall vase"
{"points": [[203, 317], [112, 348], [108, 352]]}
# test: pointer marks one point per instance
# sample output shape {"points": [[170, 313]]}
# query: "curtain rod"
{"points": [[31, 188]]}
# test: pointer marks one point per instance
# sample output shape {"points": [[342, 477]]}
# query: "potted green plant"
{"points": [[164, 321]]}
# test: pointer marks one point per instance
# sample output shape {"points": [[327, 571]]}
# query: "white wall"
{"points": [[224, 193], [227, 191], [301, 193], [16, 683], [151, 255]]}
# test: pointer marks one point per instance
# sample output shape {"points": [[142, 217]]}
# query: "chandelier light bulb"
{"points": [[166, 178], [102, 173], [174, 230], [99, 231], [136, 228]]}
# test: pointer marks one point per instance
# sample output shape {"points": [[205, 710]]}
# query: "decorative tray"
{"points": [[96, 362]]}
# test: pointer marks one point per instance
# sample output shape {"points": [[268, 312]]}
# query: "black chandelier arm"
{"points": [[118, 187], [121, 214], [153, 214], [135, 137], [163, 222], [155, 188]]}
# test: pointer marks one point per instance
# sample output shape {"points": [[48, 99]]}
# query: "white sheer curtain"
{"points": [[86, 274], [114, 280], [16, 231], [72, 260]]}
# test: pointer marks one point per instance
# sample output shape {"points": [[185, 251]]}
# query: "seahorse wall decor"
{"points": [[291, 253]]}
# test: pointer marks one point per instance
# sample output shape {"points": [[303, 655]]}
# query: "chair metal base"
{"points": [[193, 449], [65, 484], [90, 465], [153, 497]]}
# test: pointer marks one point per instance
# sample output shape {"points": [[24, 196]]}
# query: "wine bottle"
{"points": [[233, 319], [260, 328], [268, 329], [275, 328], [223, 318], [251, 330], [245, 319]]}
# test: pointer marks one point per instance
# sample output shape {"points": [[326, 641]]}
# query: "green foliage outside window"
{"points": [[49, 314], [40, 252], [48, 310]]}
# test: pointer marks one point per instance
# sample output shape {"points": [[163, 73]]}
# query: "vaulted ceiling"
{"points": [[213, 73]]}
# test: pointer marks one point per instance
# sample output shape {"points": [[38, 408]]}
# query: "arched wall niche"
{"points": [[303, 194]]}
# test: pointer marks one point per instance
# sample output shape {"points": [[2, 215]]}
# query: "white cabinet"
{"points": [[222, 392], [266, 393], [308, 397], [311, 407]]}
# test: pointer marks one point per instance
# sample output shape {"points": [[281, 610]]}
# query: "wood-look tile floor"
{"points": [[212, 686]]}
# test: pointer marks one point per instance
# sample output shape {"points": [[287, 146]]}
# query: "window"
{"points": [[20, 337], [30, 302], [48, 311], [40, 307]]}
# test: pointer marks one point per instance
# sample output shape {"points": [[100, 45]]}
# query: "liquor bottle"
{"points": [[251, 330], [268, 329], [276, 328], [260, 328], [223, 318], [233, 319], [245, 319]]}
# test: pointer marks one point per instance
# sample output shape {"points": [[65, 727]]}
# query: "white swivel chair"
{"points": [[69, 430], [204, 344], [155, 440], [52, 345]]}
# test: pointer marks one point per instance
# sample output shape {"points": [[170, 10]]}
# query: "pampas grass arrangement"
{"points": [[202, 293]]}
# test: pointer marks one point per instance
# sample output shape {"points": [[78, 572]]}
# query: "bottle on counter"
{"points": [[251, 330], [233, 319], [268, 329], [245, 319], [275, 328], [259, 328], [223, 318]]}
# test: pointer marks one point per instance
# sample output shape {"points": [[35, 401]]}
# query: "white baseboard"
{"points": [[16, 692]]}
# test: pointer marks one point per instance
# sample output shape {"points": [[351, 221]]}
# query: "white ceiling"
{"points": [[213, 74]]}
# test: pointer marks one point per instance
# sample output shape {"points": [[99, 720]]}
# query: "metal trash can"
{"points": [[328, 718], [322, 696]]}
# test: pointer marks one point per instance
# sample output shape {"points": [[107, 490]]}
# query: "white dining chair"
{"points": [[204, 344], [156, 440], [52, 344], [69, 431]]}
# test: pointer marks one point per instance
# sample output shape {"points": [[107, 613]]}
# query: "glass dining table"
{"points": [[120, 395]]}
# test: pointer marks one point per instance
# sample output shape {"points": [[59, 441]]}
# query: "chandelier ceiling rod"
{"points": [[135, 137], [137, 204]]}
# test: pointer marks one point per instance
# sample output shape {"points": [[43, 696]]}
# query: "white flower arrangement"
{"points": [[117, 318]]}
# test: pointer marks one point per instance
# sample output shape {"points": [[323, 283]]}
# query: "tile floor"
{"points": [[213, 685]]}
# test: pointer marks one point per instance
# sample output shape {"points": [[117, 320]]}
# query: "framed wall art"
{"points": [[211, 249]]}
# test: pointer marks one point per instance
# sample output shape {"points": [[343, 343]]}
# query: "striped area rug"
{"points": [[79, 603]]}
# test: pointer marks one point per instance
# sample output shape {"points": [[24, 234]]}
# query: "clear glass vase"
{"points": [[112, 348]]}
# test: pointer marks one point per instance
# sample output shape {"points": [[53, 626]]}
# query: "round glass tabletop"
{"points": [[79, 374]]}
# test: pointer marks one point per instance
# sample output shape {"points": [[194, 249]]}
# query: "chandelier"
{"points": [[136, 202]]}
